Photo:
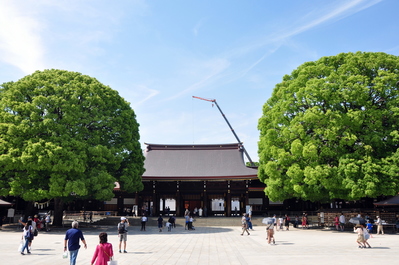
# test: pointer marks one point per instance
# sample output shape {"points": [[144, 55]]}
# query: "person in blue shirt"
{"points": [[72, 238], [369, 226]]}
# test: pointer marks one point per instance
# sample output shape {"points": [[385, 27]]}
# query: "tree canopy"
{"points": [[65, 135], [330, 130]]}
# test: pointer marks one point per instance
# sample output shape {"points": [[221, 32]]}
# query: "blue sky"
{"points": [[158, 54]]}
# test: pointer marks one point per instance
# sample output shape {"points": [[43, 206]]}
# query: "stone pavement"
{"points": [[209, 245]]}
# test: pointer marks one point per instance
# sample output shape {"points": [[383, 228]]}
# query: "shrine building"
{"points": [[212, 177]]}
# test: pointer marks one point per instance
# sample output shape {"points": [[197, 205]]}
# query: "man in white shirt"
{"points": [[379, 226], [342, 222], [47, 220]]}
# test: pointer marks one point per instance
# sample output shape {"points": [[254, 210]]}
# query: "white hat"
{"points": [[123, 218]]}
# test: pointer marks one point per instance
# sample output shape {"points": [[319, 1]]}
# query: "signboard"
{"points": [[11, 212]]}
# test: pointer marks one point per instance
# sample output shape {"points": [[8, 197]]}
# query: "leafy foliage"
{"points": [[66, 135], [330, 130]]}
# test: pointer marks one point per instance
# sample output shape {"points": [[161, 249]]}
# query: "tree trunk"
{"points": [[58, 211]]}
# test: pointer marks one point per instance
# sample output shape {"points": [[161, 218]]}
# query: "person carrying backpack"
{"points": [[122, 233], [27, 236]]}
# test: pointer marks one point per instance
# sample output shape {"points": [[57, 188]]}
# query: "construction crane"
{"points": [[231, 128]]}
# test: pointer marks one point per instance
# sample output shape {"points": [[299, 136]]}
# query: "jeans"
{"points": [[25, 246], [73, 254]]}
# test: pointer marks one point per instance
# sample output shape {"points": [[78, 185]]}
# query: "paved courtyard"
{"points": [[209, 245]]}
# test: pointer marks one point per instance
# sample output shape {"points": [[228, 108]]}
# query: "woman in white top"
{"points": [[27, 236], [360, 236]]}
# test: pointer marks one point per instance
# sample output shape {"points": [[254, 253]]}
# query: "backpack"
{"points": [[121, 228]]}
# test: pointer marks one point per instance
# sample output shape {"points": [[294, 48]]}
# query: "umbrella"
{"points": [[268, 220], [357, 220]]}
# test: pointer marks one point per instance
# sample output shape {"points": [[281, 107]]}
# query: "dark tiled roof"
{"points": [[196, 162]]}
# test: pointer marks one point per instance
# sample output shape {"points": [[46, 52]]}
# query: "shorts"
{"points": [[360, 238], [123, 237]]}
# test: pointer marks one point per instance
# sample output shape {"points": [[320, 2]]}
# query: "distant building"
{"points": [[212, 177]]}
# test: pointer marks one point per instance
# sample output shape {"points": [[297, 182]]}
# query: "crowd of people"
{"points": [[104, 252]]}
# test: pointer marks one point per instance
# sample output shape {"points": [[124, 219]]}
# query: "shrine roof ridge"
{"points": [[193, 146]]}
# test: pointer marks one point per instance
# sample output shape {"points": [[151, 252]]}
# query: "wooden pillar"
{"points": [[155, 202], [205, 201], [246, 196], [228, 204], [120, 205], [178, 199], [228, 200]]}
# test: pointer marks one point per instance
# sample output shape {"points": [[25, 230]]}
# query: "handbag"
{"points": [[112, 262], [35, 233], [21, 246]]}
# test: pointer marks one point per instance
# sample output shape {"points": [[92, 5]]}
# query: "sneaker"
{"points": [[28, 252], [22, 253], [120, 251], [125, 251]]}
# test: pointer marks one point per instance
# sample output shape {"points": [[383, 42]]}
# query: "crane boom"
{"points": [[231, 128]]}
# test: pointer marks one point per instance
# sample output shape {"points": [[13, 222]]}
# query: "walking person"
{"points": [[336, 222], [287, 222], [34, 230], [103, 252], [304, 221], [281, 223], [47, 222], [270, 233], [186, 217], [380, 228], [172, 221], [27, 235], [72, 237], [190, 223], [249, 222], [369, 227], [296, 221], [366, 236], [360, 236], [122, 233], [244, 224], [144, 220], [160, 223], [342, 221], [38, 223]]}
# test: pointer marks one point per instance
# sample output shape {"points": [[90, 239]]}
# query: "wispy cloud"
{"points": [[329, 14], [20, 41], [198, 26], [147, 92], [212, 69]]}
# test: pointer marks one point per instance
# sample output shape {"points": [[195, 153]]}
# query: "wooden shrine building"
{"points": [[212, 177]]}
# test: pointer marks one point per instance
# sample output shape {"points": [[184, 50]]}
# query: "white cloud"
{"points": [[20, 42]]}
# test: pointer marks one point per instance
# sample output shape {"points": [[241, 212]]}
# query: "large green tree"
{"points": [[331, 130], [64, 135]]}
